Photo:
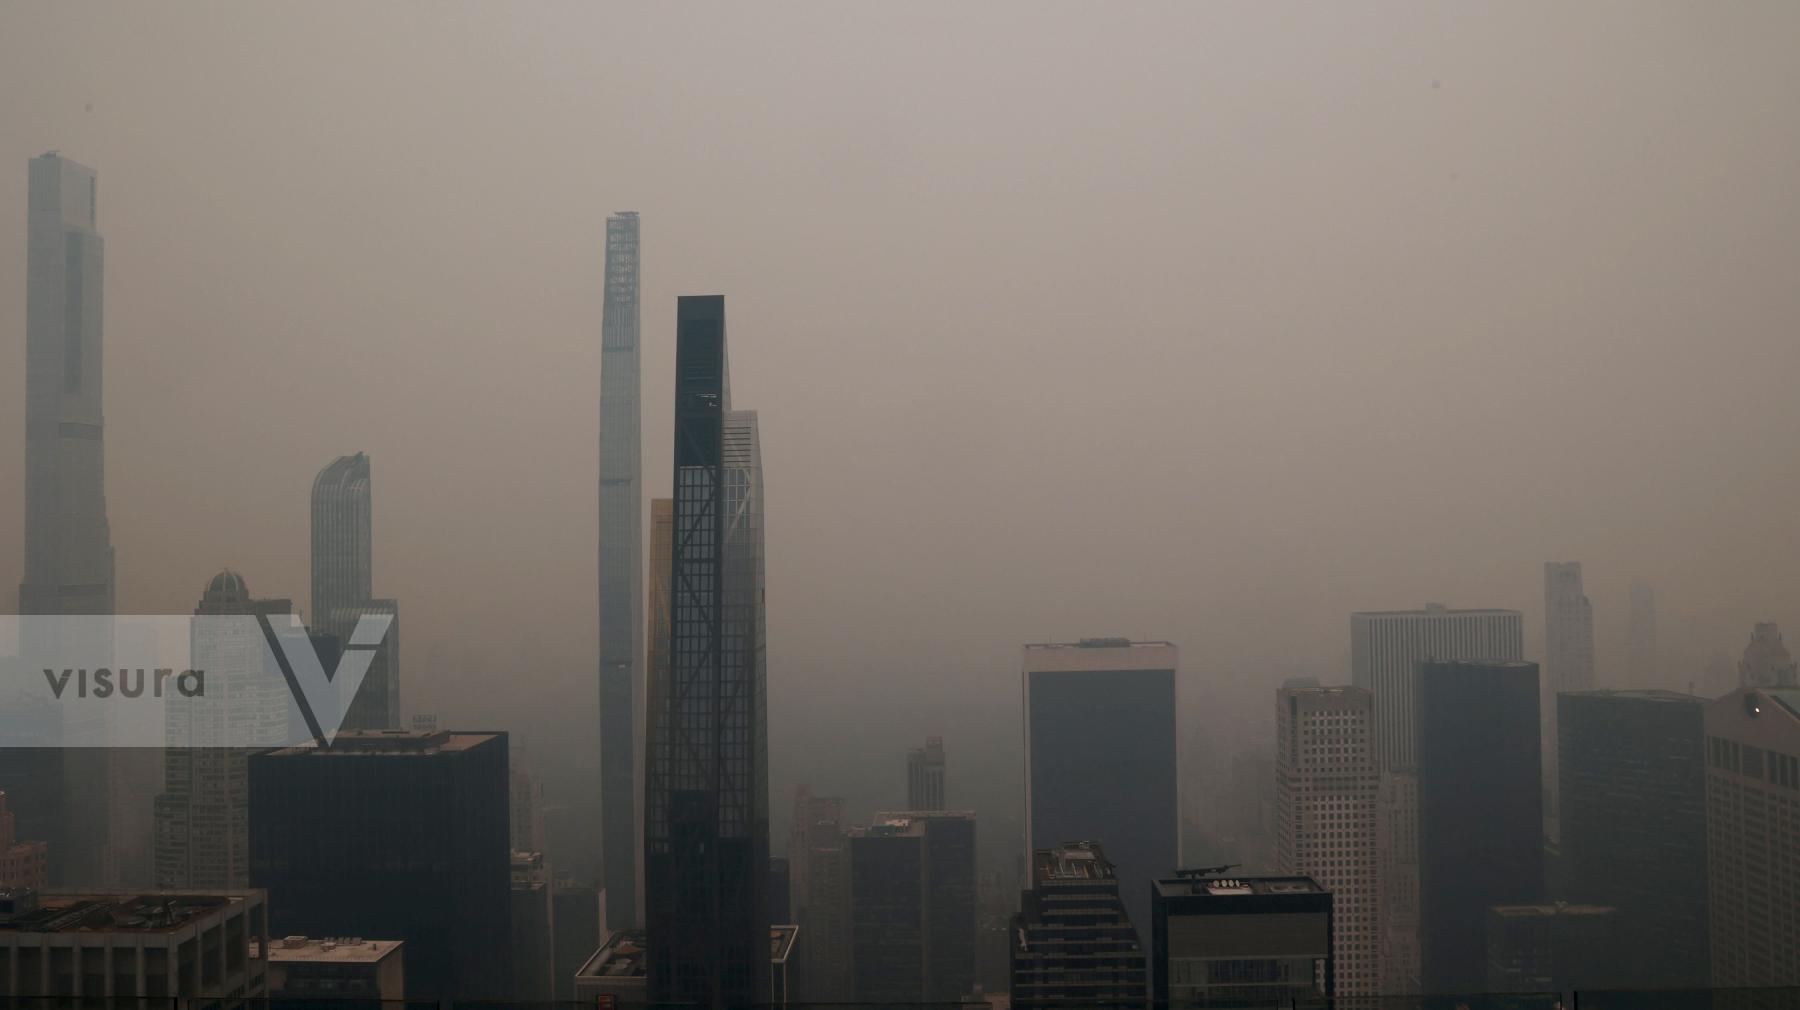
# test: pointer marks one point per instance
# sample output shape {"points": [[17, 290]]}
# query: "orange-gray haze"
{"points": [[1202, 322]]}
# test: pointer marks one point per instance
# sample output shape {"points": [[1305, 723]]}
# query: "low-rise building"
{"points": [[345, 969], [1226, 943]]}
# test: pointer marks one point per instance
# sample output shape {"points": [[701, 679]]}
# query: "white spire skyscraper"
{"points": [[621, 570]]}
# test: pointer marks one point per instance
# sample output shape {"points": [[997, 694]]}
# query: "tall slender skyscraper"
{"points": [[707, 791], [1101, 757], [1640, 637], [1568, 661], [68, 544], [342, 579], [1326, 786], [621, 569]]}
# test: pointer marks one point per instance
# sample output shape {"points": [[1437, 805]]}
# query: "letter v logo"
{"points": [[324, 696]]}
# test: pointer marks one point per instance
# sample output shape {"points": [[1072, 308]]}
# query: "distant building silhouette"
{"points": [[621, 588], [533, 940], [1101, 759], [1240, 942], [1073, 945], [342, 515], [1766, 660], [1480, 811], [1386, 648], [706, 788], [1640, 638], [1633, 773], [1552, 948], [1568, 662], [912, 908], [1753, 836], [819, 893], [23, 864], [68, 555], [202, 816], [396, 835], [1326, 786], [925, 776]]}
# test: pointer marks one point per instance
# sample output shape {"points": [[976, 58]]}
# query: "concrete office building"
{"points": [[619, 969], [350, 971], [398, 835], [912, 908], [1480, 811], [533, 929], [1072, 944], [925, 776], [1634, 826], [1326, 791], [1240, 943], [342, 585], [706, 787], [1753, 836], [621, 620], [1102, 756], [103, 949]]}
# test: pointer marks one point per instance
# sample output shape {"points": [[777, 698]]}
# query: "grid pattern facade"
{"points": [[1326, 787], [1633, 776], [706, 795], [1386, 648], [1072, 943], [925, 776], [1753, 837], [1480, 811], [912, 908], [621, 579], [342, 581]]}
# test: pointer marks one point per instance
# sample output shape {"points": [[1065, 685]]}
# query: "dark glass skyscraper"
{"points": [[393, 835], [1480, 811], [621, 570], [707, 790], [1634, 825], [1100, 756]]}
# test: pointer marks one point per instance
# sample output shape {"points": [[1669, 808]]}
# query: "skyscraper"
{"points": [[912, 908], [1753, 836], [1633, 773], [1386, 648], [1326, 787], [621, 571], [1766, 660], [1072, 944], [1101, 756], [706, 792], [1480, 811], [342, 580], [1568, 660], [68, 544], [1238, 943], [1640, 637], [656, 657], [925, 775], [202, 816], [396, 835]]}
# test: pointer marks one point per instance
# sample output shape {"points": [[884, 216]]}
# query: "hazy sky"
{"points": [[1205, 322]]}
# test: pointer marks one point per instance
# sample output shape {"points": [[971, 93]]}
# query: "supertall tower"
{"points": [[621, 564], [707, 789], [68, 545]]}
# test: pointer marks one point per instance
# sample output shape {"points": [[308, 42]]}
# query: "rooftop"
{"points": [[362, 742], [1435, 610], [154, 912], [1071, 861], [1550, 909], [1647, 694], [620, 957], [1100, 643], [1229, 886], [333, 950], [781, 942]]}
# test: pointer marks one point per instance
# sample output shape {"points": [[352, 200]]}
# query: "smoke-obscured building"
{"points": [[912, 908], [342, 585], [925, 776], [113, 949], [1240, 943], [396, 835], [706, 788], [819, 892], [1073, 945], [621, 619], [1766, 661], [1552, 948], [1101, 756], [1753, 836], [1568, 663], [1326, 791], [1633, 775], [1480, 811]]}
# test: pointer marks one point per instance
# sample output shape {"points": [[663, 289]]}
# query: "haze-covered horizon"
{"points": [[1208, 324]]}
